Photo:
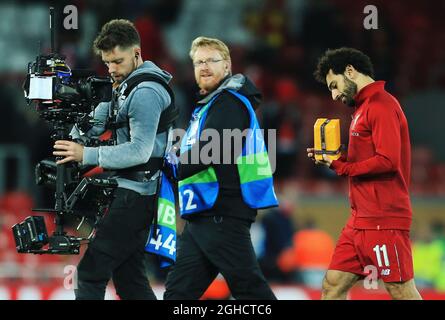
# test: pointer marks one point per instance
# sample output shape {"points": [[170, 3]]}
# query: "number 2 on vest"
{"points": [[189, 205]]}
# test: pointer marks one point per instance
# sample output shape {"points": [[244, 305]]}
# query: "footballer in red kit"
{"points": [[375, 240]]}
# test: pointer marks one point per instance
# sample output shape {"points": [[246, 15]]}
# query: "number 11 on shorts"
{"points": [[377, 249]]}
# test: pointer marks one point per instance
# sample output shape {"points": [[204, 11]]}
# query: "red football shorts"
{"points": [[385, 254]]}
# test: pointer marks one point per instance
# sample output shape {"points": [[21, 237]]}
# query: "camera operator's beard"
{"points": [[122, 78], [119, 80]]}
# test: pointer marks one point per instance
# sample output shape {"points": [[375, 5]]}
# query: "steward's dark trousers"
{"points": [[117, 251], [211, 245]]}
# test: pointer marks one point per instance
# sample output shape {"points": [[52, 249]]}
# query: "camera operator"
{"points": [[141, 134]]}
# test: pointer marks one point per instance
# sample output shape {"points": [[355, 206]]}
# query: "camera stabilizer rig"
{"points": [[63, 97], [89, 200]]}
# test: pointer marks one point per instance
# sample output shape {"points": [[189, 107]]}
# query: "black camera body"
{"points": [[51, 80], [61, 93]]}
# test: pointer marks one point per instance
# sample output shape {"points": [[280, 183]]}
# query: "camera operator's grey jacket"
{"points": [[137, 143]]}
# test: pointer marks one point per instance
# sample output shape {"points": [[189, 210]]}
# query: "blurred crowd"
{"points": [[276, 43]]}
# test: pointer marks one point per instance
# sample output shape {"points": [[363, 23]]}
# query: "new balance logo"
{"points": [[385, 272]]}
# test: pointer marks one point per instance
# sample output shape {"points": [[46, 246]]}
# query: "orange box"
{"points": [[327, 138]]}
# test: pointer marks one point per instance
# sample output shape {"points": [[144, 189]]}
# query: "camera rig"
{"points": [[89, 200], [64, 97]]}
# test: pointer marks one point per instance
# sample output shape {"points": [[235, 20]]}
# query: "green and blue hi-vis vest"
{"points": [[164, 244], [200, 191]]}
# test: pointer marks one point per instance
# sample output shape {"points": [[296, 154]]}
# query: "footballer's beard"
{"points": [[349, 93]]}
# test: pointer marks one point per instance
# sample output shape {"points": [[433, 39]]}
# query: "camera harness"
{"points": [[168, 116]]}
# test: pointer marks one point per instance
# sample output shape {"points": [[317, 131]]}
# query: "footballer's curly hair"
{"points": [[338, 59], [118, 32]]}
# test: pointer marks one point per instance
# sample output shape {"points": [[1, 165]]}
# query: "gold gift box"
{"points": [[327, 138]]}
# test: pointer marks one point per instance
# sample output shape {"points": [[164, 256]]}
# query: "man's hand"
{"points": [[171, 164], [326, 160], [70, 150]]}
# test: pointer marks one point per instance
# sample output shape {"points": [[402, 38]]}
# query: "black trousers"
{"points": [[211, 245], [117, 251]]}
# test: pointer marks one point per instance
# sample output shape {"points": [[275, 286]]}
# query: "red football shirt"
{"points": [[378, 162]]}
